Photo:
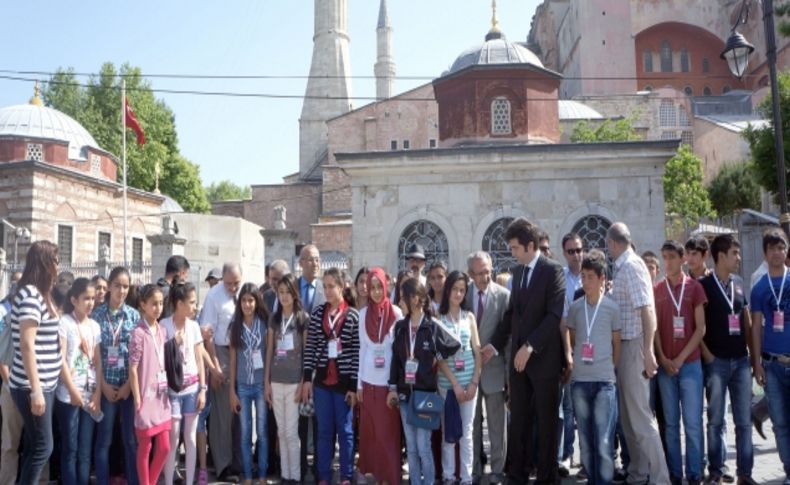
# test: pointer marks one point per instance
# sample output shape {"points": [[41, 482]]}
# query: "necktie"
{"points": [[310, 297], [525, 277], [480, 307]]}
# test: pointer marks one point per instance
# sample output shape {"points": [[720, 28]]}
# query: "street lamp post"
{"points": [[736, 52], [19, 233]]}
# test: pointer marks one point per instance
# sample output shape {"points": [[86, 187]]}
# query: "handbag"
{"points": [[453, 427], [425, 410]]}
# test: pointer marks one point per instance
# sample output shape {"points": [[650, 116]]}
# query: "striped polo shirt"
{"points": [[29, 305], [461, 331]]}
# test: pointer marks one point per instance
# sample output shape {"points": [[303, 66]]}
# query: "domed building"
{"points": [[57, 182]]}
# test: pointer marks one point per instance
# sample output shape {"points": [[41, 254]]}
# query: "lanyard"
{"points": [[412, 340], [381, 326], [591, 323], [116, 333], [284, 326], [781, 288], [252, 337], [456, 326], [333, 322], [676, 303], [159, 359], [87, 347], [731, 300]]}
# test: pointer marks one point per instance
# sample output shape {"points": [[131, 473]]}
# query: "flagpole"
{"points": [[125, 200]]}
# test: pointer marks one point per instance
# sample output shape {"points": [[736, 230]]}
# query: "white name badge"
{"points": [[460, 364], [411, 371], [286, 342], [112, 356], [734, 324], [333, 348], [588, 352], [161, 379], [678, 327], [779, 321], [378, 358], [257, 360]]}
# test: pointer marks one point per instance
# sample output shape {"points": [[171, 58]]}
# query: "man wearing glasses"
{"points": [[573, 251]]}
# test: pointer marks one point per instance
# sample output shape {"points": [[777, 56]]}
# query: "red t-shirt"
{"points": [[693, 296]]}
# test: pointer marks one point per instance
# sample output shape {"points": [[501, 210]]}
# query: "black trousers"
{"points": [[534, 405]]}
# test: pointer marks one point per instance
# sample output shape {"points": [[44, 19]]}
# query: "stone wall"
{"points": [[42, 197], [717, 146], [464, 191], [334, 236]]}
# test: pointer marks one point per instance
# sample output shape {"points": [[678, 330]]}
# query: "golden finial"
{"points": [[36, 99], [494, 21]]}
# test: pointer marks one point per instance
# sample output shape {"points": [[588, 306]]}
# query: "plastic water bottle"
{"points": [[97, 416]]}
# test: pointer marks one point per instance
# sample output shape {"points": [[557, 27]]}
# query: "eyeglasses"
{"points": [[574, 251]]}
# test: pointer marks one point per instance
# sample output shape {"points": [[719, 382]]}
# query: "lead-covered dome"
{"points": [[495, 50], [34, 121]]}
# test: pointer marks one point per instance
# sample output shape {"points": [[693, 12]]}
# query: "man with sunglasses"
{"points": [[573, 250]]}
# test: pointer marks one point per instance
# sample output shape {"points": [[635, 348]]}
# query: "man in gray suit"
{"points": [[488, 302], [311, 289]]}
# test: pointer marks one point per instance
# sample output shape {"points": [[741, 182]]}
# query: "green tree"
{"points": [[734, 187], [761, 139], [97, 106], [227, 190], [607, 131], [684, 194]]}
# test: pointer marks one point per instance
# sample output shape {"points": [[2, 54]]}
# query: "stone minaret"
{"points": [[385, 66], [329, 87]]}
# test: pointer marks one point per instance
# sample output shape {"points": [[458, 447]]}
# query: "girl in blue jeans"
{"points": [[332, 353], [247, 349], [116, 320], [78, 396]]}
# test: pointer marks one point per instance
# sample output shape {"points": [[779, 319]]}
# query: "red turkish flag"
{"points": [[131, 122]]}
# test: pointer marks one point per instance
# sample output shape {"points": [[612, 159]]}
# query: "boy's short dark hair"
{"points": [[773, 236], [524, 231], [595, 261], [176, 264], [722, 244], [649, 257], [698, 243], [672, 245]]}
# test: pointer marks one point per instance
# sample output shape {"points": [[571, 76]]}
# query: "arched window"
{"points": [[500, 116], [648, 88], [684, 60], [689, 91], [592, 231], [494, 243], [429, 236], [705, 65], [667, 113], [726, 89], [706, 91], [647, 59], [666, 56]]}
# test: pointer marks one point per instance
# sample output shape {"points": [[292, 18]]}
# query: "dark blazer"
{"points": [[269, 296], [533, 316]]}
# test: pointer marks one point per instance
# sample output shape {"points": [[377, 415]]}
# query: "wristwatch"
{"points": [[204, 387]]}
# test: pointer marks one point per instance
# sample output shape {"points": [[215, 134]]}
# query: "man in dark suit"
{"points": [[532, 326]]}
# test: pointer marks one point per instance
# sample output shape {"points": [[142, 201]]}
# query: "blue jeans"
{"points": [[104, 439], [595, 406], [735, 375], [777, 390], [249, 396], [37, 434], [76, 443], [333, 416], [681, 395], [418, 451], [566, 431]]}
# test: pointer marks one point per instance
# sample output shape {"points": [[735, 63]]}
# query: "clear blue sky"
{"points": [[246, 140]]}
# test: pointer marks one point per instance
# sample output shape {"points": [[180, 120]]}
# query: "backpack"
{"points": [[6, 340]]}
